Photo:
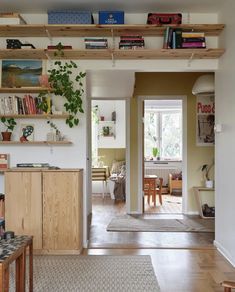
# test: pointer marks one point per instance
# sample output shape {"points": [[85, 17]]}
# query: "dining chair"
{"points": [[152, 187], [228, 286]]}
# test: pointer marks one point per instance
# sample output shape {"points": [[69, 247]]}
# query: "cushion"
{"points": [[116, 166], [177, 176]]}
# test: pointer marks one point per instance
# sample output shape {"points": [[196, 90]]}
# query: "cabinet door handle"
{"points": [[22, 223]]}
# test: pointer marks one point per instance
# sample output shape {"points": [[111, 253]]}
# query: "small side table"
{"points": [[15, 250], [197, 191]]}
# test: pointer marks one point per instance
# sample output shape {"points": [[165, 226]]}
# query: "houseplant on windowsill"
{"points": [[205, 170], [155, 153], [10, 124]]}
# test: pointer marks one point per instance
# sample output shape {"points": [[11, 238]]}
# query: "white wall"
{"points": [[225, 150]]}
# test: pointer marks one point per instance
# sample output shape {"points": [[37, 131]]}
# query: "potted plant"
{"points": [[205, 170], [155, 152], [10, 124], [65, 84]]}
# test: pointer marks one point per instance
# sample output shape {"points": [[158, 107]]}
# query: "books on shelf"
{"points": [[176, 38], [96, 43], [26, 105], [131, 42], [11, 18], [4, 161]]}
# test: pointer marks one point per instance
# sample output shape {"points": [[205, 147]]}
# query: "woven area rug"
{"points": [[92, 274], [131, 223]]}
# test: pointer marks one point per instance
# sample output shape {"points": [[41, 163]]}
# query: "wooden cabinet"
{"points": [[48, 205], [23, 204], [62, 209]]}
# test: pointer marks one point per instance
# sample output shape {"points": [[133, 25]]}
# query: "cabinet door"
{"points": [[23, 204], [62, 210]]}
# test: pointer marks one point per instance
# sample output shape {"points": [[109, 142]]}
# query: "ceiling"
{"points": [[129, 6]]}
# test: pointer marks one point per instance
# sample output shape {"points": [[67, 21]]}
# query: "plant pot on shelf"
{"points": [[209, 184], [6, 136]]}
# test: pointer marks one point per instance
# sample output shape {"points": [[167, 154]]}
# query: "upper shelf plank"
{"points": [[107, 54], [86, 30]]}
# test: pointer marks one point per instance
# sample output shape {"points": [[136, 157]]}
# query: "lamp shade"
{"points": [[205, 84]]}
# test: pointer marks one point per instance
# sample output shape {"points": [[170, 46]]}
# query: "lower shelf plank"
{"points": [[36, 143]]}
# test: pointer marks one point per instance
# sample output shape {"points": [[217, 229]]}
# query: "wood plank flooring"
{"points": [[183, 262], [180, 270], [105, 210]]}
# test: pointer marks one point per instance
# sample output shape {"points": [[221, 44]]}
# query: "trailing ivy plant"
{"points": [[64, 84]]}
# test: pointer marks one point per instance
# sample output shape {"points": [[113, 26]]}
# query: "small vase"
{"points": [[6, 136], [209, 184]]}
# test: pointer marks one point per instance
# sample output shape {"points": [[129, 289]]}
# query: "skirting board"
{"points": [[224, 252], [191, 213]]}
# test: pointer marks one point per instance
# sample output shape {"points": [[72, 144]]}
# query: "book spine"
{"points": [[188, 40], [194, 45], [193, 34], [165, 38]]}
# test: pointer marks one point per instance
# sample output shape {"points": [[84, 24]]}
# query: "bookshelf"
{"points": [[23, 89], [96, 30], [36, 143], [37, 116]]}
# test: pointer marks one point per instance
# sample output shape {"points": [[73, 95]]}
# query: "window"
{"points": [[163, 129]]}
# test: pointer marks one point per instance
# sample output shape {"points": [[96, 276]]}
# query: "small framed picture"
{"points": [[26, 132]]}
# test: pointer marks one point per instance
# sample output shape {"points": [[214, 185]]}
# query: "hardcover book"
{"points": [[4, 161]]}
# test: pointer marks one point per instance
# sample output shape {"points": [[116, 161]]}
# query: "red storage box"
{"points": [[164, 18]]}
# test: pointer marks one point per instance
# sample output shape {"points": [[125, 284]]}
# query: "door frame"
{"points": [[184, 150], [89, 156]]}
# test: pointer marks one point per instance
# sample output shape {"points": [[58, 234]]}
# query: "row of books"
{"points": [[25, 105], [96, 43], [128, 42], [176, 38]]}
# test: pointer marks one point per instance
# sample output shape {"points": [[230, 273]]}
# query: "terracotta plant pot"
{"points": [[6, 136]]}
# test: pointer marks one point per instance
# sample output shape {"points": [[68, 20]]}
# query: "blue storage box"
{"points": [[111, 17], [69, 17]]}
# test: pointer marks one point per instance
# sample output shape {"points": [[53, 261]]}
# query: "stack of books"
{"points": [[25, 105], [176, 38], [193, 40], [96, 43], [131, 42]]}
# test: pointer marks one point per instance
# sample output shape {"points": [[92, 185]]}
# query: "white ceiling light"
{"points": [[205, 84]]}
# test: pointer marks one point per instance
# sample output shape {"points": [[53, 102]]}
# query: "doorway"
{"points": [[163, 156]]}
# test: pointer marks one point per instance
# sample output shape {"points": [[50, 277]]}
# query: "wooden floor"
{"points": [[181, 270], [170, 204], [104, 210], [183, 262]]}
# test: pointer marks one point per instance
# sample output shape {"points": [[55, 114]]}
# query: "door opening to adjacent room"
{"points": [[108, 125], [163, 158]]}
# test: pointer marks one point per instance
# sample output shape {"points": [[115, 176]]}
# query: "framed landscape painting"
{"points": [[21, 73]]}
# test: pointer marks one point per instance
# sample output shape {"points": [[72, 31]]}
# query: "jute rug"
{"points": [[92, 274], [131, 223]]}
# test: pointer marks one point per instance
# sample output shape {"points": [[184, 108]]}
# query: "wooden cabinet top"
{"points": [[38, 169]]}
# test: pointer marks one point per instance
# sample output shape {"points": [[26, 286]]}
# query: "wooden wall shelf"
{"points": [[79, 30], [46, 116], [109, 54], [24, 89], [36, 143]]}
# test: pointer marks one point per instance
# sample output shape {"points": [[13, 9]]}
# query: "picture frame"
{"points": [[21, 73], [205, 119], [27, 132]]}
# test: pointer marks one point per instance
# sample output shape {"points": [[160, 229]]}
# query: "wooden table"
{"points": [[15, 250]]}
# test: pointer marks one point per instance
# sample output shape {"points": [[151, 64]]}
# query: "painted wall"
{"points": [[225, 150], [171, 84]]}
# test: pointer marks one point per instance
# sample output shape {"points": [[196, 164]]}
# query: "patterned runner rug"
{"points": [[92, 274], [136, 223]]}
